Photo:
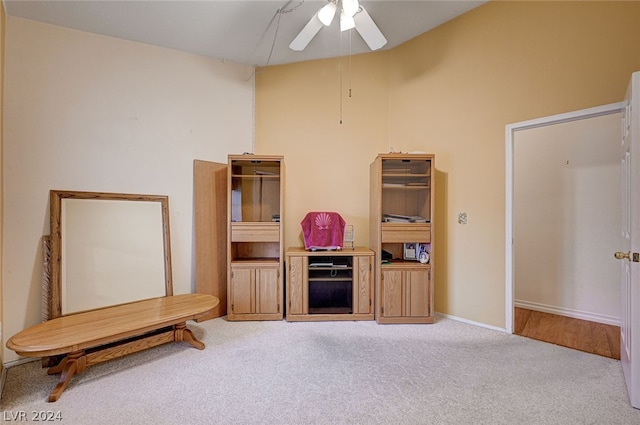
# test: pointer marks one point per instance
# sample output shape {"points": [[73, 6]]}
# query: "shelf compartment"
{"points": [[406, 181], [330, 279], [333, 274], [405, 264], [246, 166], [255, 190], [329, 295], [405, 185], [403, 201], [250, 262], [405, 166], [331, 310], [244, 251]]}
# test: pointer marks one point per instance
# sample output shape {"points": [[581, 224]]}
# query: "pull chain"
{"points": [[342, 74]]}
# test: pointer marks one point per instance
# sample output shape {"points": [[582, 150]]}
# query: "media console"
{"points": [[329, 285]]}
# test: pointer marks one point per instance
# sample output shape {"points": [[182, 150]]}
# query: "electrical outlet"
{"points": [[462, 218]]}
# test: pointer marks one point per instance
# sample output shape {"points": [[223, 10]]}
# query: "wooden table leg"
{"points": [[73, 364], [53, 370], [182, 333]]}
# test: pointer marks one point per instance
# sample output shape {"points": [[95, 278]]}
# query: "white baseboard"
{"points": [[471, 322], [18, 362], [3, 378], [568, 312]]}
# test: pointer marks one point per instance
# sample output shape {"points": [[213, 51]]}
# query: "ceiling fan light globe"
{"points": [[350, 7], [346, 22], [327, 13]]}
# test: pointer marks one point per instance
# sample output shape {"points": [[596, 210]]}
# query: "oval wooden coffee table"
{"points": [[99, 335]]}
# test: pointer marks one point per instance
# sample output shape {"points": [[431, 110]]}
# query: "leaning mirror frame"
{"points": [[52, 290]]}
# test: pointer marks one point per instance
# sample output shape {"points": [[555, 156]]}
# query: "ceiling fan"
{"points": [[352, 15]]}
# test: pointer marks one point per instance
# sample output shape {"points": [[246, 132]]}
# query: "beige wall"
{"points": [[298, 112], [87, 112], [451, 92]]}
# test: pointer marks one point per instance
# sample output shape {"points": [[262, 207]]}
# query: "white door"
{"points": [[630, 254]]}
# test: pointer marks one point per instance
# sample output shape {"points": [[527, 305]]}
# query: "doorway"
{"points": [[561, 183]]}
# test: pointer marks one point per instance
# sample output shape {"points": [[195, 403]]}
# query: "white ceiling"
{"points": [[252, 33]]}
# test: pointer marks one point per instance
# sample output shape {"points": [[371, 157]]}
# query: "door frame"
{"points": [[510, 132]]}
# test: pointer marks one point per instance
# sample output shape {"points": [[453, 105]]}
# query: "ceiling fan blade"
{"points": [[368, 30], [306, 35]]}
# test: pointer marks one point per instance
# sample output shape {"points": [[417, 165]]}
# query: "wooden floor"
{"points": [[592, 337]]}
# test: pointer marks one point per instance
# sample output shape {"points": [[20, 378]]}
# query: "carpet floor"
{"points": [[336, 373]]}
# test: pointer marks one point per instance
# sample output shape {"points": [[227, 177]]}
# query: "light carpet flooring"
{"points": [[337, 373]]}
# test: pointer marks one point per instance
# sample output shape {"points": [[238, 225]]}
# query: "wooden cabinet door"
{"points": [[267, 291], [242, 290], [296, 284], [405, 293], [210, 211], [392, 298], [362, 289], [416, 289]]}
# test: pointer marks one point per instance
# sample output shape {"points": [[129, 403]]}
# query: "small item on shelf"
{"points": [[423, 252], [397, 218], [322, 264], [423, 257], [416, 252], [410, 251]]}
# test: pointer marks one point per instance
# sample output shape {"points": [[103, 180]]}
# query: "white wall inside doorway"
{"points": [[567, 218], [563, 214]]}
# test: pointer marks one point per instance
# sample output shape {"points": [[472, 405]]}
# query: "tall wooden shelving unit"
{"points": [[402, 206], [255, 237]]}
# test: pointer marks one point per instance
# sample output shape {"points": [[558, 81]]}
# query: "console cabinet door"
{"points": [[242, 298], [416, 287], [295, 286], [255, 290], [392, 298], [362, 285], [267, 291], [405, 293]]}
